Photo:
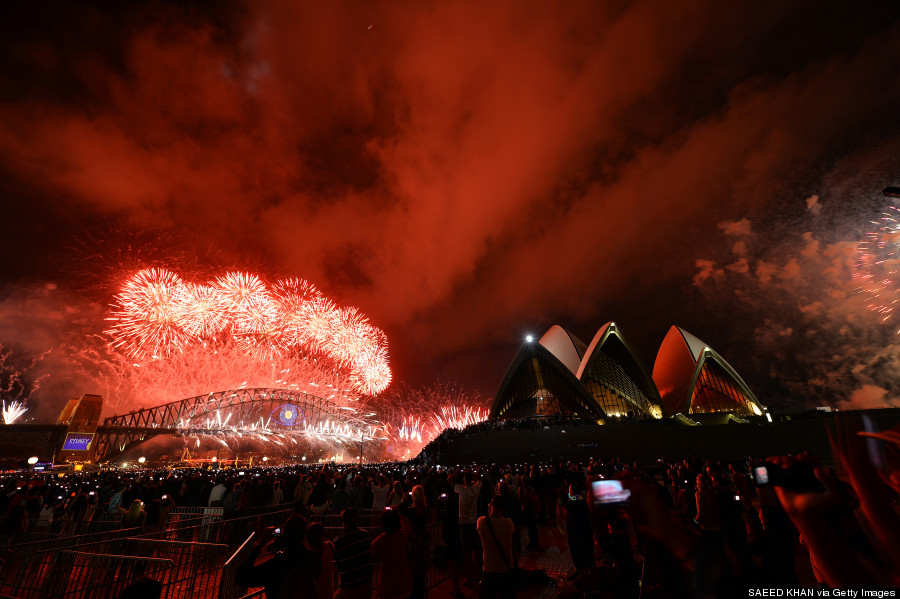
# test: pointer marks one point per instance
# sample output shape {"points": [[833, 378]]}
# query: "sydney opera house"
{"points": [[607, 380]]}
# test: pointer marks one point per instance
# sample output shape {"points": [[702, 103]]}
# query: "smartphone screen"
{"points": [[607, 492]]}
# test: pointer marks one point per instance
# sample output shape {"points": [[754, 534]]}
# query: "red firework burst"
{"points": [[201, 312], [147, 318], [157, 313]]}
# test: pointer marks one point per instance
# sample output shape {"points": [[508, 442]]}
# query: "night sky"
{"points": [[466, 173]]}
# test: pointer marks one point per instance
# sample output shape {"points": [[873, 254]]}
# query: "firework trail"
{"points": [[417, 416], [458, 417], [12, 412], [158, 315], [878, 264], [17, 383]]}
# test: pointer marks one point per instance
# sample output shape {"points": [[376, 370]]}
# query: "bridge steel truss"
{"points": [[224, 412]]}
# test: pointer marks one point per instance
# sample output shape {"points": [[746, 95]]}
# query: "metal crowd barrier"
{"points": [[227, 587], [189, 568], [79, 575], [197, 553]]}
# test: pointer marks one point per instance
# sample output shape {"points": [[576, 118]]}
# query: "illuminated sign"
{"points": [[78, 441], [287, 415]]}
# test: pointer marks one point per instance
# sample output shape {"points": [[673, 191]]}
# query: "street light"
{"points": [[33, 460], [142, 459]]}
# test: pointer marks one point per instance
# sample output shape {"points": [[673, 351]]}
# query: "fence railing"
{"points": [[79, 575], [195, 554], [228, 589], [190, 569]]}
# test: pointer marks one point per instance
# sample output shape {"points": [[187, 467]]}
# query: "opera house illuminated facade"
{"points": [[607, 380]]}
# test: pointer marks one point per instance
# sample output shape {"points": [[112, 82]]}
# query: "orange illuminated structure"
{"points": [[81, 415], [693, 379], [561, 375], [538, 383], [607, 380]]}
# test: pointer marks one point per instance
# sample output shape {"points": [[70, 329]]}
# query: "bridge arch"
{"points": [[255, 411]]}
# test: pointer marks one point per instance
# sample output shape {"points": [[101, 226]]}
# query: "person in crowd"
{"points": [[277, 493], [468, 513], [315, 540], [293, 569], [359, 494], [154, 515], [395, 580], [397, 495], [775, 545], [217, 495], [340, 499], [302, 492], [734, 528], [166, 505], [77, 513], [87, 517], [318, 497], [417, 514], [115, 503], [450, 536], [380, 491], [232, 501], [45, 518], [531, 509], [574, 511], [135, 515], [513, 511], [496, 533], [712, 537], [353, 558]]}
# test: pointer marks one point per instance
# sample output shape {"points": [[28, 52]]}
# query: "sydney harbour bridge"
{"points": [[260, 413], [271, 415]]}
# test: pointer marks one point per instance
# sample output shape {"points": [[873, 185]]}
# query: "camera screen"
{"points": [[609, 491], [762, 475]]}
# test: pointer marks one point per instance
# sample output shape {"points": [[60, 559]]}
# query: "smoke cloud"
{"points": [[460, 171]]}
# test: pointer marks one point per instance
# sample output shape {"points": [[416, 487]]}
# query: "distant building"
{"points": [[607, 380], [81, 415]]}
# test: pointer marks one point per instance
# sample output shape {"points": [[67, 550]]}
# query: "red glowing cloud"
{"points": [[456, 169]]}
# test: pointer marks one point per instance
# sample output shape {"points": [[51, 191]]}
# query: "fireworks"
{"points": [[414, 417], [157, 314], [18, 381], [12, 411], [458, 417], [878, 264]]}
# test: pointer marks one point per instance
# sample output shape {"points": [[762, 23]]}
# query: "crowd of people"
{"points": [[688, 527]]}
